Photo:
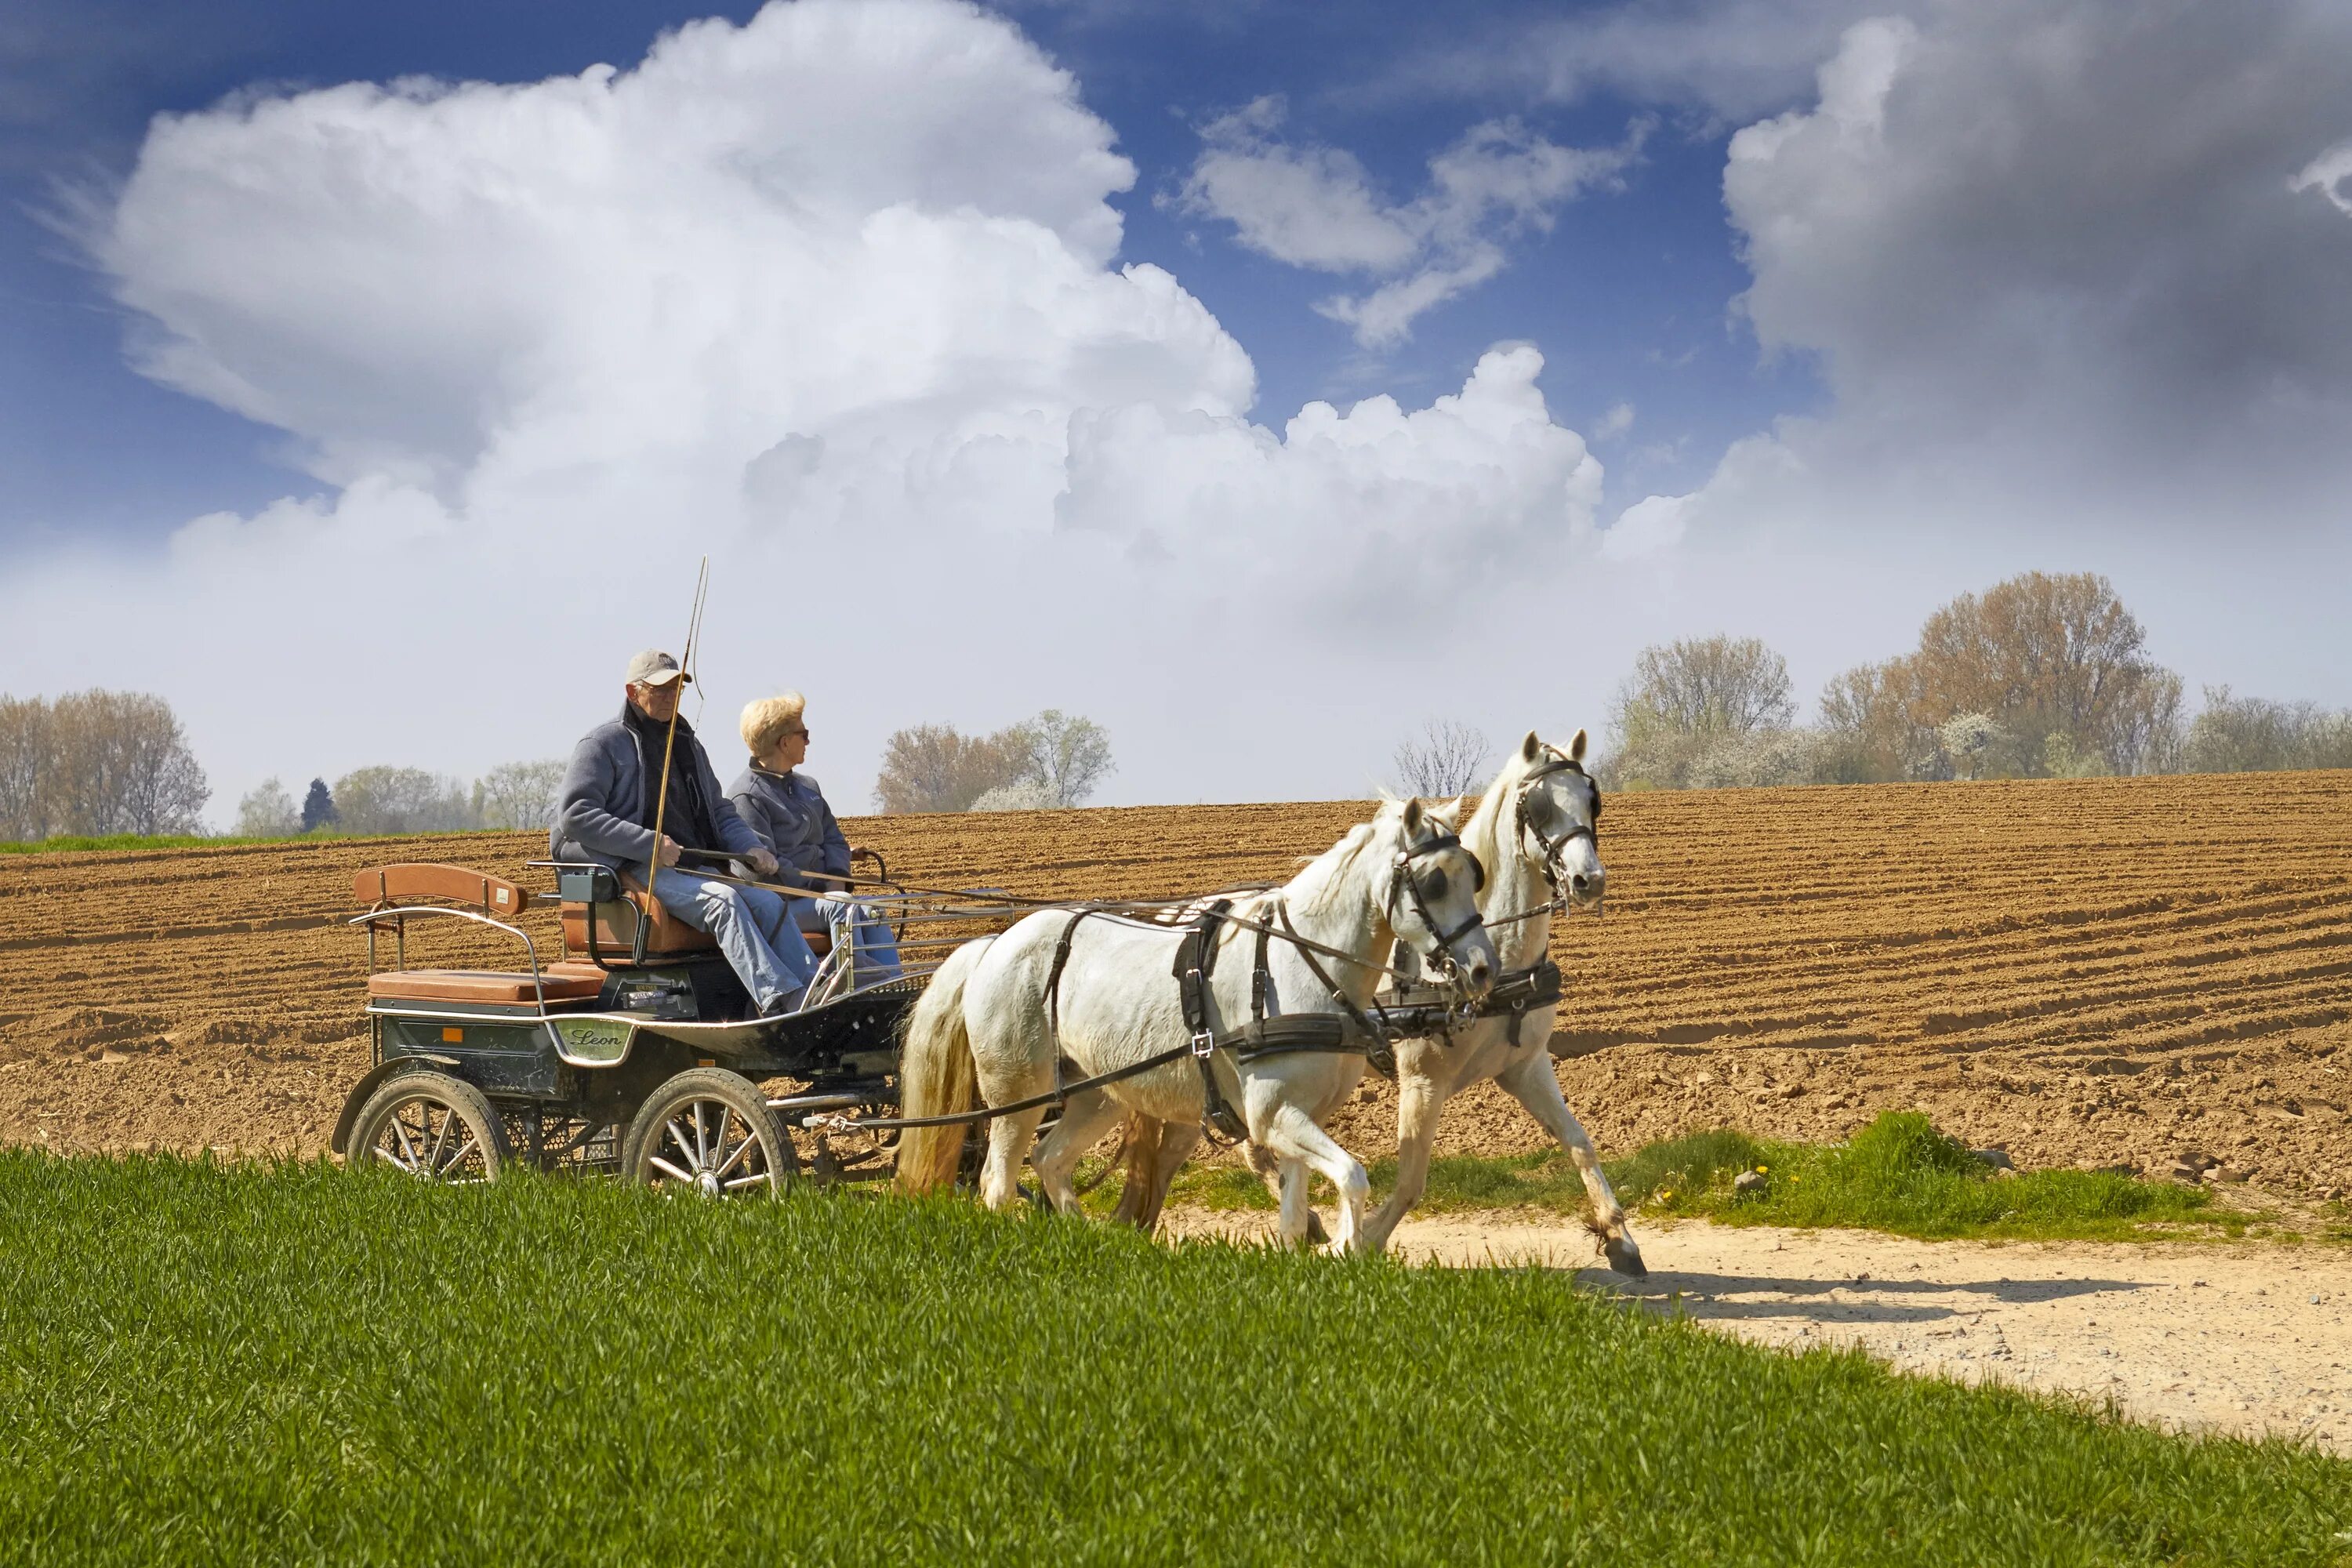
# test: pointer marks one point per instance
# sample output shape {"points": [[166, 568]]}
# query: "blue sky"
{"points": [[1784, 317], [1631, 295]]}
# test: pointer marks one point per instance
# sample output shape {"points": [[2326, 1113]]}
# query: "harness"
{"points": [[1350, 1032], [1549, 847], [1426, 1011]]}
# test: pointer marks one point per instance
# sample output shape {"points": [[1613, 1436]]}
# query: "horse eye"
{"points": [[1434, 885]]}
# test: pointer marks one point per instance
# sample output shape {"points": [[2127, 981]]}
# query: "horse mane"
{"points": [[1483, 835], [1312, 890]]}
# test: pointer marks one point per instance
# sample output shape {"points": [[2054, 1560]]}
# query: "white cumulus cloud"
{"points": [[833, 297], [1316, 206]]}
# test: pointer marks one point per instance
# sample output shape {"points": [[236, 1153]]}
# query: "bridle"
{"points": [[1438, 959], [1549, 846]]}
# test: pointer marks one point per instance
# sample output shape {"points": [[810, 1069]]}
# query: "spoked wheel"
{"points": [[433, 1126], [710, 1131]]}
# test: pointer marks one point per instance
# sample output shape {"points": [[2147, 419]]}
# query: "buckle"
{"points": [[1204, 1043]]}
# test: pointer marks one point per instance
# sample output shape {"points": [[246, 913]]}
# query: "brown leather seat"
{"points": [[561, 983], [668, 938]]}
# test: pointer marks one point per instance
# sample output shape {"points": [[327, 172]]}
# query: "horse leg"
{"points": [[1086, 1117], [1533, 1084], [1268, 1166], [1009, 1139], [1290, 1188], [1420, 1100], [1292, 1134], [1151, 1167]]}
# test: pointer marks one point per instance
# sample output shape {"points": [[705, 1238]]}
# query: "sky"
{"points": [[1262, 381]]}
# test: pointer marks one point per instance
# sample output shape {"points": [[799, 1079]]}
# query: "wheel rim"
{"points": [[429, 1139], [707, 1147]]}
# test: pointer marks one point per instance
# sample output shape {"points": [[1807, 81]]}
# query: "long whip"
{"points": [[669, 739]]}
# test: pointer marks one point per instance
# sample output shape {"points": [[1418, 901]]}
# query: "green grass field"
{"points": [[1898, 1174], [215, 1364], [78, 844]]}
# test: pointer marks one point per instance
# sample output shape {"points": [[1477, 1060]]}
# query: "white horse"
{"points": [[1535, 830], [994, 1020]]}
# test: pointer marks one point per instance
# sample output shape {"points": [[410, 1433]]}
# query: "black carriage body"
{"points": [[515, 1050]]}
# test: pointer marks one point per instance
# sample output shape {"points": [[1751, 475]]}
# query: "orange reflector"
{"points": [[451, 1035]]}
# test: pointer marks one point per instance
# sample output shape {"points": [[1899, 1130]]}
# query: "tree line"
{"points": [[97, 763], [2039, 676], [385, 800], [1055, 759]]}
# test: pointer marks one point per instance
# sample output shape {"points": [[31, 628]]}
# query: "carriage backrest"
{"points": [[422, 881]]}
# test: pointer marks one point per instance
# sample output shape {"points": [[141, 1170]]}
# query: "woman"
{"points": [[787, 810]]}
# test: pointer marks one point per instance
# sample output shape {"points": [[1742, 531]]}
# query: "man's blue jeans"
{"points": [[877, 951], [754, 928]]}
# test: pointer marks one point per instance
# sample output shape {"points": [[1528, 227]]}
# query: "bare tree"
{"points": [[2046, 655], [402, 800], [2248, 735], [267, 812], [27, 757], [1447, 758], [937, 767], [518, 794], [1054, 759], [121, 763], [1068, 755], [1707, 686]]}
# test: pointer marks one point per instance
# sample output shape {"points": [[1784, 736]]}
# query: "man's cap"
{"points": [[654, 668]]}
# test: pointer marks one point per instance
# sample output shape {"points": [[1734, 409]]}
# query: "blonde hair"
{"points": [[765, 720]]}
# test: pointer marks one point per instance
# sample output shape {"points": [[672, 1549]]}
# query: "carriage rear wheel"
{"points": [[709, 1131], [433, 1126]]}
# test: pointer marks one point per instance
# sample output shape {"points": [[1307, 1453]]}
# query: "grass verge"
{"points": [[78, 844], [1898, 1174], [203, 1363]]}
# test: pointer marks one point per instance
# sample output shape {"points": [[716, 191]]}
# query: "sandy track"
{"points": [[2084, 972], [2244, 1338]]}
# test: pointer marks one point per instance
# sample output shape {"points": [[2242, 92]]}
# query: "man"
{"points": [[786, 810], [611, 791]]}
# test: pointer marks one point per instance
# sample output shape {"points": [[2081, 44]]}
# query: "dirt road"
{"points": [[2250, 1339]]}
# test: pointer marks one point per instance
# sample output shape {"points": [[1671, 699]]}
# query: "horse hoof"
{"points": [[1625, 1258]]}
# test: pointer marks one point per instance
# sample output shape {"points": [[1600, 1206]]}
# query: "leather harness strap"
{"points": [[1196, 960]]}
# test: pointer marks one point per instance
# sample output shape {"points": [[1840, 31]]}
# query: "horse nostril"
{"points": [[1580, 884]]}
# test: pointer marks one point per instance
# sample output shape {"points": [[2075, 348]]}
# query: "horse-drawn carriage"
{"points": [[637, 1050]]}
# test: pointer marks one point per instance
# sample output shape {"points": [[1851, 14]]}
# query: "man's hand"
{"points": [[665, 853], [764, 862]]}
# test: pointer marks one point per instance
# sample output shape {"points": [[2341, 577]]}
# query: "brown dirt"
{"points": [[2084, 972]]}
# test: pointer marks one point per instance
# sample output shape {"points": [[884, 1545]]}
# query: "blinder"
{"points": [[1550, 845], [1440, 956]]}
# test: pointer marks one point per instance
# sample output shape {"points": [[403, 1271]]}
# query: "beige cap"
{"points": [[654, 668]]}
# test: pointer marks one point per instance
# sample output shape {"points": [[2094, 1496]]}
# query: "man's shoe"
{"points": [[785, 1004]]}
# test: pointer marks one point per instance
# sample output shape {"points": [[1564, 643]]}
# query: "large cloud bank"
{"points": [[2076, 276], [833, 296]]}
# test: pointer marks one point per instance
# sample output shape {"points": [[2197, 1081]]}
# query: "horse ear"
{"points": [[1576, 748], [1412, 816], [1531, 748]]}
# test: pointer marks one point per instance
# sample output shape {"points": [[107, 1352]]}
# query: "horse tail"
{"points": [[937, 1075]]}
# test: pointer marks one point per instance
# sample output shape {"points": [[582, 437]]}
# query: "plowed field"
{"points": [[2086, 973]]}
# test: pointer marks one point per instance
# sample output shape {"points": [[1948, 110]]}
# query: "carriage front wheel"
{"points": [[433, 1126], [709, 1131]]}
